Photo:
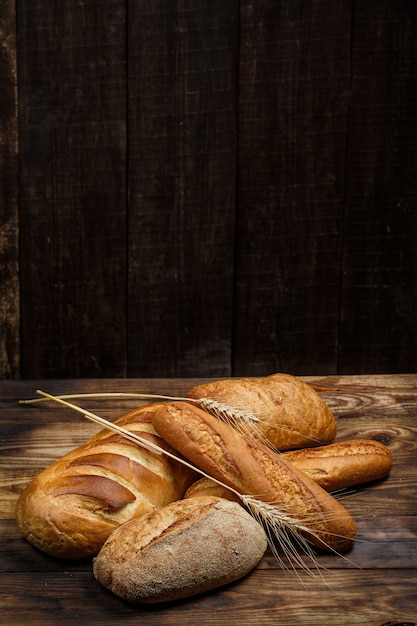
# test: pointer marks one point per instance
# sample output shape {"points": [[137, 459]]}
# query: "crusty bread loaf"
{"points": [[291, 412], [71, 508], [250, 469], [183, 549], [207, 487], [335, 466], [344, 463]]}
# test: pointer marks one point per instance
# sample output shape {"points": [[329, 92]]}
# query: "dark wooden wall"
{"points": [[207, 187]]}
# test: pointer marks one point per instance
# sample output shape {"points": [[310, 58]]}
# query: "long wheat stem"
{"points": [[246, 422], [153, 447], [218, 409]]}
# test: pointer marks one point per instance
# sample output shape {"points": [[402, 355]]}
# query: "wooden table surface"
{"points": [[376, 584]]}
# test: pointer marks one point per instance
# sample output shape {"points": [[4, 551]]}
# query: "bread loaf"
{"points": [[250, 469], [183, 549], [207, 487], [71, 508], [291, 412], [333, 467], [343, 464]]}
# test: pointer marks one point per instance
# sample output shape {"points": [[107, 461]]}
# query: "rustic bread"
{"points": [[183, 549], [291, 412], [333, 467], [249, 468], [71, 508], [344, 463], [207, 487]]}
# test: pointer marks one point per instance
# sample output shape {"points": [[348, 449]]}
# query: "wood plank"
{"points": [[14, 390], [381, 539], [379, 290], [168, 295], [171, 289], [9, 231], [182, 169], [375, 584], [355, 597], [72, 116], [293, 103]]}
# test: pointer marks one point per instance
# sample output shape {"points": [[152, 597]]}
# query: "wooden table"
{"points": [[376, 584]]}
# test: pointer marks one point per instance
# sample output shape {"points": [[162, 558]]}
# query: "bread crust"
{"points": [[333, 467], [207, 487], [185, 548], [251, 469], [291, 412], [70, 508], [343, 464]]}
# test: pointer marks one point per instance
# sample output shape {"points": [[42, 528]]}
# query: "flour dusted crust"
{"points": [[291, 412], [70, 508], [185, 548]]}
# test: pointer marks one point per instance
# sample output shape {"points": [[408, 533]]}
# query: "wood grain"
{"points": [[375, 583], [379, 226], [72, 117], [9, 228], [292, 138], [207, 188], [182, 170], [51, 600]]}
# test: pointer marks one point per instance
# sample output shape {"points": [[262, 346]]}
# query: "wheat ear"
{"points": [[223, 411], [280, 528], [246, 422]]}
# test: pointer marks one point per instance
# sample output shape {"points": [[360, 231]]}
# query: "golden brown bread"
{"points": [[207, 487], [291, 412], [71, 508], [344, 463], [182, 549], [221, 452], [335, 466]]}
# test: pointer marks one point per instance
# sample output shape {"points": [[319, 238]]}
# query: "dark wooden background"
{"points": [[207, 187]]}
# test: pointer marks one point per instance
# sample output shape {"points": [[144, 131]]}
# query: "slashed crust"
{"points": [[185, 548], [291, 412]]}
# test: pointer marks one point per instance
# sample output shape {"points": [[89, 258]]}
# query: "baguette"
{"points": [[70, 508], [333, 467], [343, 464], [291, 412], [250, 469], [180, 550]]}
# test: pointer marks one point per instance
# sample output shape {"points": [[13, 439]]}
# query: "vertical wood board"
{"points": [[379, 288], [294, 79], [207, 188], [182, 169], [9, 253], [72, 115]]}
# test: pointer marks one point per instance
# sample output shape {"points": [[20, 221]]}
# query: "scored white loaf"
{"points": [[70, 508]]}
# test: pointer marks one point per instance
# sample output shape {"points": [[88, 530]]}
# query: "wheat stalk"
{"points": [[246, 422], [282, 529], [153, 447], [224, 412]]}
